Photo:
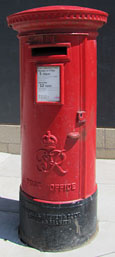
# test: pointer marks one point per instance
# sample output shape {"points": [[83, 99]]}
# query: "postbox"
{"points": [[58, 77]]}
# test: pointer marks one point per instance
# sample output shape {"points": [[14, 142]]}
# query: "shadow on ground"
{"points": [[9, 220]]}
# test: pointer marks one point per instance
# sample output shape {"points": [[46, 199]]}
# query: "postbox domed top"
{"points": [[57, 19]]}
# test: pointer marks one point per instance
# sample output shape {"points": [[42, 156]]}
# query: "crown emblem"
{"points": [[49, 141]]}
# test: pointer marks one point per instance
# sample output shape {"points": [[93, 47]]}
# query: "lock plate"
{"points": [[81, 117]]}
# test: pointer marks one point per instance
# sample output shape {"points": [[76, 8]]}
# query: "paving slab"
{"points": [[105, 171], [4, 156], [10, 165], [9, 187], [106, 202], [9, 205]]}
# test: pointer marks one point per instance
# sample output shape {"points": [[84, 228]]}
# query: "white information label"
{"points": [[48, 83]]}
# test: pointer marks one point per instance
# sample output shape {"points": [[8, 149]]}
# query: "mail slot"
{"points": [[58, 74], [44, 51]]}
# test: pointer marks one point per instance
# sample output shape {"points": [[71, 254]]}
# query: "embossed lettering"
{"points": [[52, 187], [33, 183], [62, 187], [51, 219], [49, 157], [73, 186], [49, 39], [68, 187]]}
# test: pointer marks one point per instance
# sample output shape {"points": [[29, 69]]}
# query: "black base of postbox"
{"points": [[53, 227]]}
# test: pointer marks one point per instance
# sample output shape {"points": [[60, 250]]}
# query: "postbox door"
{"points": [[51, 93]]}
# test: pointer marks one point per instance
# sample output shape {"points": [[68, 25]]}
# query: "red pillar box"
{"points": [[58, 76]]}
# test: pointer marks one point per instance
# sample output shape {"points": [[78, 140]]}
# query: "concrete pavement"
{"points": [[103, 244]]}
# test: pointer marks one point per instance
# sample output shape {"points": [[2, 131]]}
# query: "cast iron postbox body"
{"points": [[58, 124]]}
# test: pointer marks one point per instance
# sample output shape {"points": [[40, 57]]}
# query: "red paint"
{"points": [[59, 138]]}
